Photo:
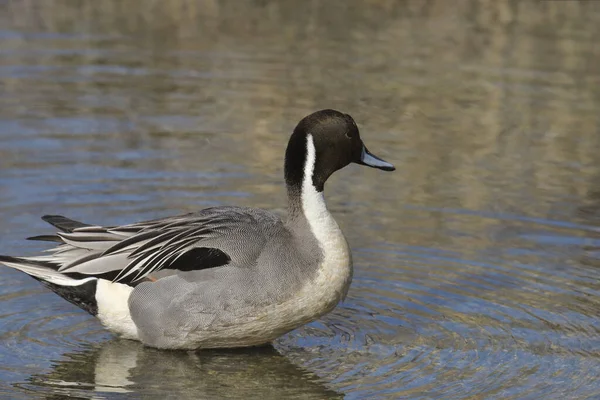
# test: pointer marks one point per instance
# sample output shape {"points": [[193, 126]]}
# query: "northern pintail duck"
{"points": [[222, 276]]}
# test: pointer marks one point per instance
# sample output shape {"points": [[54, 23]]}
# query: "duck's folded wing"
{"points": [[130, 253]]}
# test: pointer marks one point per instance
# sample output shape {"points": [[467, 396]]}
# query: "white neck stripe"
{"points": [[321, 223], [336, 267], [309, 163]]}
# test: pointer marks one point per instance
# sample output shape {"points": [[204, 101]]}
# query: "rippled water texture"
{"points": [[477, 261]]}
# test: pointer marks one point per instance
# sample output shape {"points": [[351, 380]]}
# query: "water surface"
{"points": [[476, 262]]}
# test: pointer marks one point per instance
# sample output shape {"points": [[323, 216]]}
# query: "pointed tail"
{"points": [[78, 291]]}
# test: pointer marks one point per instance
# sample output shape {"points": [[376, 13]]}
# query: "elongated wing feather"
{"points": [[46, 238], [63, 223], [210, 238], [91, 240]]}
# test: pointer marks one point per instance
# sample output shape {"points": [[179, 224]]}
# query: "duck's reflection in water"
{"points": [[126, 369]]}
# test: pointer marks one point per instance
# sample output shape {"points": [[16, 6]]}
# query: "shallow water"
{"points": [[476, 262]]}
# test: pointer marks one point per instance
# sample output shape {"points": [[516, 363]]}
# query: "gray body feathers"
{"points": [[254, 261]]}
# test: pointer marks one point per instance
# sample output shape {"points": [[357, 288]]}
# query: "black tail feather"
{"points": [[17, 260], [63, 223], [8, 259], [46, 238], [83, 296]]}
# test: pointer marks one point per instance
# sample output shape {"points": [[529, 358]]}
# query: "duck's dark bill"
{"points": [[366, 158]]}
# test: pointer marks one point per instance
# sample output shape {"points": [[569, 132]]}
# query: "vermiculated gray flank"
{"points": [[223, 276]]}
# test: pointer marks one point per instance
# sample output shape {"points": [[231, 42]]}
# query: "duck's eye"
{"points": [[349, 134]]}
